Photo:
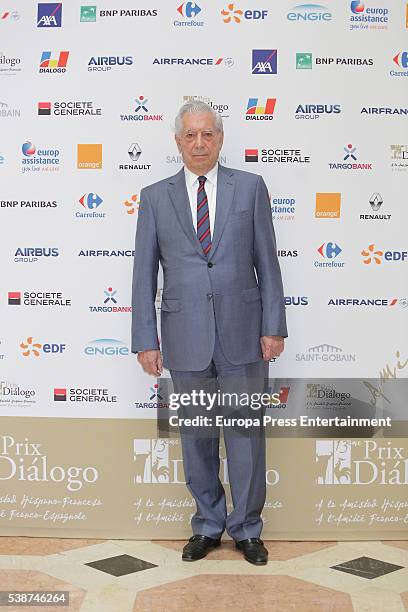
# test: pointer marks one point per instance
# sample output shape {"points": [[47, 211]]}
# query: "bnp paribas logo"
{"points": [[157, 460], [304, 61]]}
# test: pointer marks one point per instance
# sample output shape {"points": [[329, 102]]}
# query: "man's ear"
{"points": [[178, 143]]}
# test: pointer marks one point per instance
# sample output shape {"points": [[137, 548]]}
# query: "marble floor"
{"points": [[134, 576]]}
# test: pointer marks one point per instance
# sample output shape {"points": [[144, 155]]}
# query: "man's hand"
{"points": [[272, 346], [151, 362]]}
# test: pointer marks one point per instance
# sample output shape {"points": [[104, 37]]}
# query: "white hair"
{"points": [[197, 106]]}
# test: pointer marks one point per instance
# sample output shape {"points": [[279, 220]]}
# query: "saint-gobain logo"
{"points": [[151, 460], [333, 460]]}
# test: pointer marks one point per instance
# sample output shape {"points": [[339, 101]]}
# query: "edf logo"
{"points": [[233, 14], [49, 15], [31, 348]]}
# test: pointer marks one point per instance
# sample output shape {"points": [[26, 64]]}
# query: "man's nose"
{"points": [[199, 140]]}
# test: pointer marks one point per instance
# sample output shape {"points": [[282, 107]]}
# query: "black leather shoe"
{"points": [[254, 551], [198, 546]]}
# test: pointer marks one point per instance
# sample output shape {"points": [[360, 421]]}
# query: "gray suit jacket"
{"points": [[238, 286]]}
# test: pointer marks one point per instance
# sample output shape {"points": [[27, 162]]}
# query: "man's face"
{"points": [[199, 142]]}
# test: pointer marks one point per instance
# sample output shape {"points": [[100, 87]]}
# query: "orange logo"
{"points": [[372, 255], [29, 347], [89, 156], [328, 205], [231, 13]]}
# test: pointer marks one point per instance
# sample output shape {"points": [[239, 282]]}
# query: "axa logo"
{"points": [[264, 61], [49, 15], [32, 348], [189, 9], [233, 14], [329, 250], [373, 255], [401, 59]]}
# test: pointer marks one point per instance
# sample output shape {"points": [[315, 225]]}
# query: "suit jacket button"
{"points": [[210, 264]]}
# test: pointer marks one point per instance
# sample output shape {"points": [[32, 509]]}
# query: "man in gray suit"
{"points": [[222, 316]]}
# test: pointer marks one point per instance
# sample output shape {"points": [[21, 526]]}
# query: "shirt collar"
{"points": [[211, 175]]}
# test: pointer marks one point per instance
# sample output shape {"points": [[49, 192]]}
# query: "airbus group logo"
{"points": [[188, 10], [264, 61], [309, 13], [232, 14], [34, 254], [49, 15], [103, 63], [316, 111]]}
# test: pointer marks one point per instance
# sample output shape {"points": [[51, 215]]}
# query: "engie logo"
{"points": [[49, 15], [32, 348], [106, 347], [309, 12]]}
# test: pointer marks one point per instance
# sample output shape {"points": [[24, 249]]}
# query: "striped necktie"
{"points": [[203, 216]]}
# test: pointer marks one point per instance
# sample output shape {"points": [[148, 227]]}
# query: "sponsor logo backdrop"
{"points": [[313, 98]]}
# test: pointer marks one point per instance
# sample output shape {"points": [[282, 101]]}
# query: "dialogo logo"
{"points": [[89, 156]]}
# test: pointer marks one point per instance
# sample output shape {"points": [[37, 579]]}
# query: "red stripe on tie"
{"points": [[207, 248], [202, 203], [201, 187], [201, 238], [202, 220]]}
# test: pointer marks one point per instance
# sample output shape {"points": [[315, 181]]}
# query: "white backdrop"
{"points": [[324, 340]]}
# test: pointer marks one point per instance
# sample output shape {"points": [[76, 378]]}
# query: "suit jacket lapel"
{"points": [[179, 199], [225, 202]]}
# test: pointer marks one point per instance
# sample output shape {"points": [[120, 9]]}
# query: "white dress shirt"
{"points": [[210, 186]]}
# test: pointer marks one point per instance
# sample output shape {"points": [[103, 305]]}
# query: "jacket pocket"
{"points": [[170, 305], [251, 295]]}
